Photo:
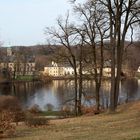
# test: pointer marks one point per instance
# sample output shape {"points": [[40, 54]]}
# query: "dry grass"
{"points": [[123, 125]]}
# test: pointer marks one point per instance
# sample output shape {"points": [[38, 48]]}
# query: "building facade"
{"points": [[20, 68], [16, 66], [57, 70]]}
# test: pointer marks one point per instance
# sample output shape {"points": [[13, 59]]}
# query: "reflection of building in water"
{"points": [[129, 90], [5, 89], [58, 70], [105, 93], [56, 85]]}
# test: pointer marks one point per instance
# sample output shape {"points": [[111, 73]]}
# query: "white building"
{"points": [[138, 69], [107, 72], [56, 70], [68, 71]]}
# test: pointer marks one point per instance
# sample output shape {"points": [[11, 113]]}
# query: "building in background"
{"points": [[58, 70], [16, 65], [138, 69]]}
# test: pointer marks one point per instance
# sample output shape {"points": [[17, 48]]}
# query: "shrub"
{"points": [[12, 104], [9, 103], [91, 110], [35, 109], [31, 120], [67, 111], [6, 128], [49, 107], [10, 111], [45, 78], [36, 121]]}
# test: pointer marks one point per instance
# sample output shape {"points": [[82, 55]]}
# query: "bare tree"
{"points": [[80, 58], [66, 37], [122, 16], [94, 28]]}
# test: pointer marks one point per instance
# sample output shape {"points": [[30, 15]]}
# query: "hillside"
{"points": [[43, 54], [123, 125]]}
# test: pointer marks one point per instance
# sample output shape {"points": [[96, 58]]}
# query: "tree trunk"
{"points": [[76, 86], [113, 81], [97, 96], [119, 67], [80, 88]]}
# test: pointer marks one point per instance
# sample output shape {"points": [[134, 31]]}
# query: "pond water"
{"points": [[59, 92]]}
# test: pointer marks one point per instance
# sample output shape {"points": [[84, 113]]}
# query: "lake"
{"points": [[59, 92]]}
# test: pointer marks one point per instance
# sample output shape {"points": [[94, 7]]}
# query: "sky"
{"points": [[22, 22]]}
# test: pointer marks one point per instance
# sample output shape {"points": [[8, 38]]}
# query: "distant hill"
{"points": [[43, 54]]}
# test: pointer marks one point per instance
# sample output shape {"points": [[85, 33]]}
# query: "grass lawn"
{"points": [[50, 113], [25, 78], [123, 125]]}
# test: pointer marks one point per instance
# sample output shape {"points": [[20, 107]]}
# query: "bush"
{"points": [[91, 110], [12, 104], [35, 109], [45, 78], [6, 128], [10, 111], [49, 107], [9, 103], [67, 111], [35, 121]]}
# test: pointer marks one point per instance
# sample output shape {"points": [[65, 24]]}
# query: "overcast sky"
{"points": [[22, 21]]}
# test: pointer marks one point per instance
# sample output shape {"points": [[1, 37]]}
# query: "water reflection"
{"points": [[104, 94], [60, 91], [129, 90]]}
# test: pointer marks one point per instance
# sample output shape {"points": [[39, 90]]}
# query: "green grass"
{"points": [[123, 125], [24, 78], [50, 113]]}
